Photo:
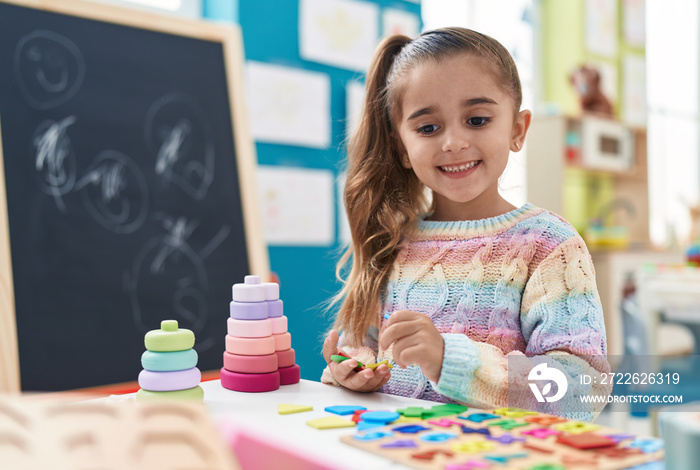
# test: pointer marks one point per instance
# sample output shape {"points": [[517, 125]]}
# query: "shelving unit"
{"points": [[577, 167], [587, 168]]}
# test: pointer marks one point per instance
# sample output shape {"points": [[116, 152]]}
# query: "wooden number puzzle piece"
{"points": [[585, 441], [468, 430], [576, 427], [545, 420], [438, 437], [473, 447], [507, 424], [374, 366], [505, 439], [470, 465], [330, 422], [541, 433], [400, 444], [479, 417], [429, 455], [505, 458], [285, 409], [514, 412], [342, 357], [344, 409]]}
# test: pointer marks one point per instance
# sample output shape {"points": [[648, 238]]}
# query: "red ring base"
{"points": [[289, 375], [250, 382]]}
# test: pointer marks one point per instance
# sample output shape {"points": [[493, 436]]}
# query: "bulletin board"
{"points": [[128, 192]]}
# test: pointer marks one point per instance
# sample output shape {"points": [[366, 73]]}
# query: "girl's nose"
{"points": [[454, 141]]}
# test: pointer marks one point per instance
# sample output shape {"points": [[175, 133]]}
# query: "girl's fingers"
{"points": [[330, 346]]}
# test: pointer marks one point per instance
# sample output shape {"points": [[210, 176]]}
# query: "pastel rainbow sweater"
{"points": [[520, 283]]}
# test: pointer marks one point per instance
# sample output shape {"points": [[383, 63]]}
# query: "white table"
{"points": [[673, 292], [257, 412]]}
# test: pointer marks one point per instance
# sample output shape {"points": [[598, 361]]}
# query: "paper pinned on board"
{"points": [[288, 105], [342, 33], [298, 205]]}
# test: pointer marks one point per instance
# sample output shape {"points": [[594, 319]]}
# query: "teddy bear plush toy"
{"points": [[586, 82]]}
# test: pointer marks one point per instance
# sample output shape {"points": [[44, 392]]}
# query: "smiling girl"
{"points": [[448, 290]]}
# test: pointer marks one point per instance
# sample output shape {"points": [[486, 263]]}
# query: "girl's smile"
{"points": [[459, 170]]}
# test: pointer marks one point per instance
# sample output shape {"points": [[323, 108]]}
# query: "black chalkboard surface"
{"points": [[127, 170]]}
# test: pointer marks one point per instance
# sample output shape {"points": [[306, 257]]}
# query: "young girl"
{"points": [[448, 292]]}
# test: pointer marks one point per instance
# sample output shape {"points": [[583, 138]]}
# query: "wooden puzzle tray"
{"points": [[506, 439]]}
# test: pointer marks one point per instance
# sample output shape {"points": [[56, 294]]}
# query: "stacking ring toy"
{"points": [[279, 325], [250, 346], [250, 364], [250, 382], [169, 381], [169, 361], [289, 375], [285, 358], [249, 328], [283, 341], [169, 338]]}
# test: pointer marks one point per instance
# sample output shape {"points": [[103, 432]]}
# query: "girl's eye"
{"points": [[477, 121], [429, 129]]}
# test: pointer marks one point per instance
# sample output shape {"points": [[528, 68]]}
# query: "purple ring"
{"points": [[274, 308], [248, 310], [169, 381]]}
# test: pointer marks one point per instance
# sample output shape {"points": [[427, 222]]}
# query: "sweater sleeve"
{"points": [[562, 322]]}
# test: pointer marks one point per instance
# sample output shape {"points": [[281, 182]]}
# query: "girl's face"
{"points": [[457, 127]]}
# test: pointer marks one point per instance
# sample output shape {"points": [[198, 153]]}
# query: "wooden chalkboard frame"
{"points": [[230, 38]]}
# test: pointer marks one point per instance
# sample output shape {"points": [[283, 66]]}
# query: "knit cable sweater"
{"points": [[519, 284]]}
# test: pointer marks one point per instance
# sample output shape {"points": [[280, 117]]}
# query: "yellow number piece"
{"points": [[576, 427], [514, 412], [473, 447], [374, 366]]}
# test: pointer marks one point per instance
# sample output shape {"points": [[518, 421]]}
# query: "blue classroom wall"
{"points": [[307, 274]]}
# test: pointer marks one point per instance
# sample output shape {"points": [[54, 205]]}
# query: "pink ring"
{"points": [[289, 375], [250, 382], [250, 346], [283, 341], [285, 358], [169, 381], [279, 324], [249, 328], [250, 364]]}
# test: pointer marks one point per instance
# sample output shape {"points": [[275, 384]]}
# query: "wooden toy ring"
{"points": [[250, 382], [289, 375], [283, 341], [272, 290], [275, 308], [169, 338], [169, 361], [250, 346], [250, 364], [285, 358], [195, 393], [248, 311], [249, 291], [249, 328], [169, 381], [279, 325]]}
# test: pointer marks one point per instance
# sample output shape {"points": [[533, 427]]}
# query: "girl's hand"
{"points": [[366, 380], [416, 341]]}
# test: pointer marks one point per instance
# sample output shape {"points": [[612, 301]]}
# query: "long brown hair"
{"points": [[382, 197]]}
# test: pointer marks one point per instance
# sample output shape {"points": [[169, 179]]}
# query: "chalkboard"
{"points": [[129, 188]]}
